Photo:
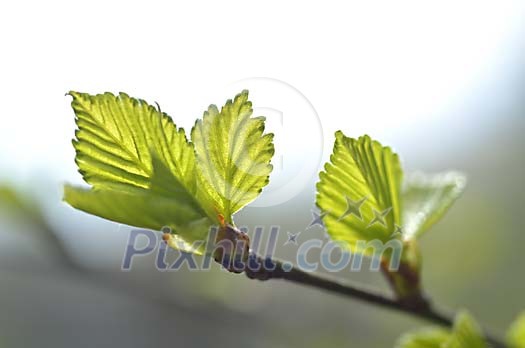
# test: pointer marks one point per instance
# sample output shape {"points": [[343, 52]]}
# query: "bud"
{"points": [[232, 248]]}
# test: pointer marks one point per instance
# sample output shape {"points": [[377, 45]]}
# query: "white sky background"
{"points": [[382, 68]]}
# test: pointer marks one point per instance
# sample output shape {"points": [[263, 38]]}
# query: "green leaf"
{"points": [[466, 333], [233, 155], [117, 137], [516, 334], [426, 198], [141, 167], [359, 190], [142, 208], [426, 338]]}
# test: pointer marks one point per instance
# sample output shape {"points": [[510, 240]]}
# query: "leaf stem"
{"points": [[273, 269]]}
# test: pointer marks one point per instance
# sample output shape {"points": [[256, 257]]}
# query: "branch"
{"points": [[264, 269]]}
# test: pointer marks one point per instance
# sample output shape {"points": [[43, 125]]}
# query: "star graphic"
{"points": [[292, 238], [353, 207], [317, 219], [398, 231], [379, 217]]}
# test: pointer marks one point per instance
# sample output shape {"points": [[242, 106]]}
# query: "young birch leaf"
{"points": [[141, 167], [233, 155], [359, 190], [516, 334], [426, 198], [466, 333], [142, 208], [117, 136], [427, 338]]}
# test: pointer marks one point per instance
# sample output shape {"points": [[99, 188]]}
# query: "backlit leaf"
{"points": [[359, 190], [426, 198], [427, 338], [233, 155], [141, 167], [466, 333], [117, 137], [516, 334]]}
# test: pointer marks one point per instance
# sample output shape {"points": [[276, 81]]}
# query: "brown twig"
{"points": [[265, 269]]}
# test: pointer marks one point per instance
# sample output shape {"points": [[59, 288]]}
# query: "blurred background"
{"points": [[442, 83]]}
